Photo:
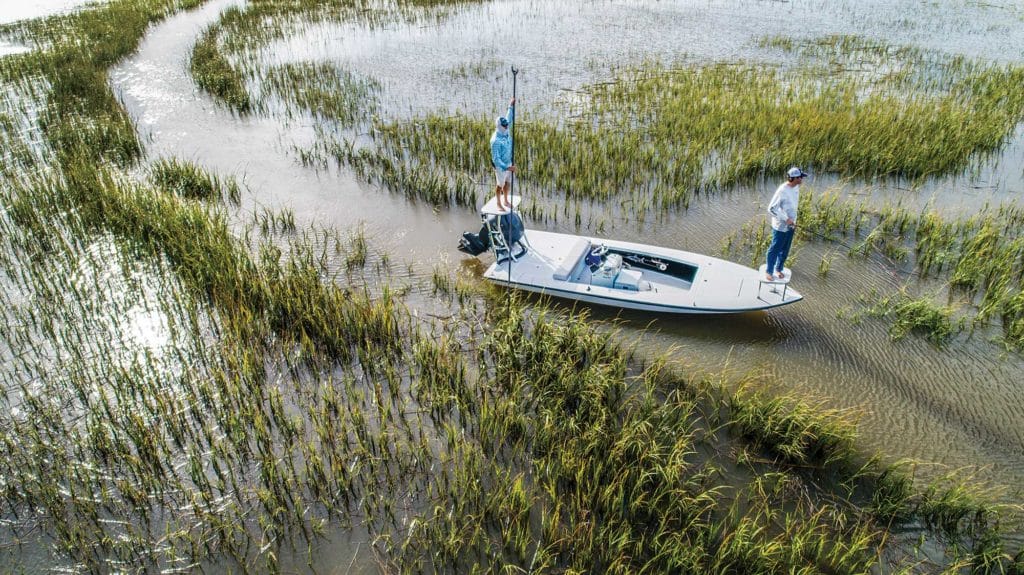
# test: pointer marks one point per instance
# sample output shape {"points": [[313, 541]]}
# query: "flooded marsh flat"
{"points": [[830, 346], [237, 335]]}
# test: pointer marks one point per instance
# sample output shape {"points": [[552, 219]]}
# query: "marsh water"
{"points": [[15, 10], [951, 407]]}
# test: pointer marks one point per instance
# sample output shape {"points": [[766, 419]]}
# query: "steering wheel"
{"points": [[599, 251]]}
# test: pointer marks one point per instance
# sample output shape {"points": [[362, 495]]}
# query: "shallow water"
{"points": [[959, 406], [17, 10]]}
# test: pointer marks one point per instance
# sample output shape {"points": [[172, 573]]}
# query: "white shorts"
{"points": [[501, 176]]}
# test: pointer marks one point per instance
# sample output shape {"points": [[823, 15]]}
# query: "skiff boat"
{"points": [[619, 273]]}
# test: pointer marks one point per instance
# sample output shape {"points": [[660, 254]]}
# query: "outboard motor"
{"points": [[510, 226], [475, 244]]}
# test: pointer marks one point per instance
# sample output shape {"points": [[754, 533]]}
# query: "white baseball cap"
{"points": [[796, 172]]}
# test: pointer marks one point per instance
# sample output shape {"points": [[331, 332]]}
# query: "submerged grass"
{"points": [[324, 91], [921, 316], [798, 433], [981, 257]]}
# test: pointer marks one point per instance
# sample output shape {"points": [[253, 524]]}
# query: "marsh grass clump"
{"points": [[916, 315], [976, 270], [188, 180], [427, 183], [825, 264], [275, 221], [797, 432], [961, 512], [213, 71], [324, 90], [923, 316], [936, 323]]}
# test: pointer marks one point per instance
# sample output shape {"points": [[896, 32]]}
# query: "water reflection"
{"points": [[17, 10]]}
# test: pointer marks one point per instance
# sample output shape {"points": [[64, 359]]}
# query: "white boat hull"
{"points": [[650, 278]]}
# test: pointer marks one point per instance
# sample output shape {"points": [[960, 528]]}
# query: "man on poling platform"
{"points": [[501, 157], [782, 209]]}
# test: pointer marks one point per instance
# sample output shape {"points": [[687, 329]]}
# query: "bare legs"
{"points": [[502, 193]]}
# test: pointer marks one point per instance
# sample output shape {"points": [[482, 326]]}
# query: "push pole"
{"points": [[512, 186], [512, 209]]}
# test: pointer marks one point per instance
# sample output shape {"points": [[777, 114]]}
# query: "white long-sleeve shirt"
{"points": [[783, 206]]}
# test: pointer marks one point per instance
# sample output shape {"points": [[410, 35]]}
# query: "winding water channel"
{"points": [[957, 406]]}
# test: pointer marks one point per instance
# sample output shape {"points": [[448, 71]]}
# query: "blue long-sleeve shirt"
{"points": [[501, 143]]}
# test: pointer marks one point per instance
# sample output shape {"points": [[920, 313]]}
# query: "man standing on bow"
{"points": [[501, 156], [782, 209]]}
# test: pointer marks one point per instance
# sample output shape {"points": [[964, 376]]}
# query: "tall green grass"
{"points": [[591, 464], [213, 72], [657, 135], [669, 133], [81, 115], [190, 181]]}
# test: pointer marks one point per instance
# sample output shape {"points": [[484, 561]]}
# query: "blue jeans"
{"points": [[778, 251]]}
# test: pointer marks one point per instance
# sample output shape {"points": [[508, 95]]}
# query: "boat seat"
{"points": [[629, 279], [573, 255]]}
